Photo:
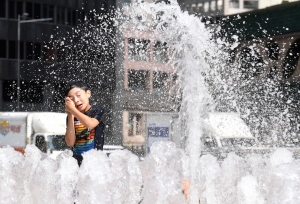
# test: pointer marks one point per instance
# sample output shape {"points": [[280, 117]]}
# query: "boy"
{"points": [[84, 126]]}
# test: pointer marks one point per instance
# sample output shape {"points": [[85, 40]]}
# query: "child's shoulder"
{"points": [[96, 107]]}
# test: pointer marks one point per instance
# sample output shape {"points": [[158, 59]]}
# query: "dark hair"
{"points": [[75, 84]]}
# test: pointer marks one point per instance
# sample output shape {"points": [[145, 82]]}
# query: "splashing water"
{"points": [[121, 178]]}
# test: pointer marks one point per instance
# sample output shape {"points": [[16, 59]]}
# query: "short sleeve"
{"points": [[98, 113]]}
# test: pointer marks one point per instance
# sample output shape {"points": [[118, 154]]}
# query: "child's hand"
{"points": [[185, 188], [69, 105]]}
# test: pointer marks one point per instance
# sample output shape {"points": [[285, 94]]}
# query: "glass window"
{"points": [[51, 13], [213, 5], [58, 90], [220, 5], [21, 50], [2, 9], [69, 17], [20, 8], [81, 16], [12, 46], [48, 53], [138, 80], [59, 17], [40, 142], [74, 17], [57, 142], [3, 48], [160, 82], [11, 9], [138, 49], [9, 90], [29, 10], [160, 52], [29, 51], [251, 4], [136, 124], [45, 11], [234, 4], [206, 6], [37, 51], [37, 10], [60, 53], [31, 92]]}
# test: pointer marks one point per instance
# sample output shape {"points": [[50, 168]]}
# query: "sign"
{"points": [[157, 132], [5, 128]]}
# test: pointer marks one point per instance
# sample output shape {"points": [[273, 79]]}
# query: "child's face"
{"points": [[80, 98]]}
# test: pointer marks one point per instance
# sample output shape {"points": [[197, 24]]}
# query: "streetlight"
{"points": [[19, 30]]}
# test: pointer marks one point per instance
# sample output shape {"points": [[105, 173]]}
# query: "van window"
{"points": [[57, 142], [40, 142]]}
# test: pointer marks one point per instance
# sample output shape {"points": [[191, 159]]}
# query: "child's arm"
{"points": [[70, 131], [88, 122]]}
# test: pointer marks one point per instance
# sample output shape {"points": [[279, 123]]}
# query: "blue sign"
{"points": [[158, 131]]}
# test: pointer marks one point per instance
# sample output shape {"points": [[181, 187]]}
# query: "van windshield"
{"points": [[57, 142]]}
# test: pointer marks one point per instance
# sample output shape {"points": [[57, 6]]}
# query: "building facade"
{"points": [[50, 53], [147, 86], [226, 7]]}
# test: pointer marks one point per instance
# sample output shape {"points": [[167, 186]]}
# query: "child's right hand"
{"points": [[69, 105]]}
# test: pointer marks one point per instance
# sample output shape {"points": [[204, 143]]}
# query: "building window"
{"points": [[22, 50], [251, 4], [58, 93], [200, 7], [60, 53], [59, 15], [29, 10], [220, 5], [69, 17], [138, 49], [45, 11], [37, 51], [160, 82], [206, 7], [160, 52], [51, 13], [19, 8], [29, 51], [12, 46], [30, 91], [48, 53], [9, 90], [37, 10], [234, 4], [136, 124], [15, 9], [138, 80], [2, 9], [11, 9], [213, 5], [3, 48]]}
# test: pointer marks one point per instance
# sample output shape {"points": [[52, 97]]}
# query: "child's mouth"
{"points": [[79, 106]]}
